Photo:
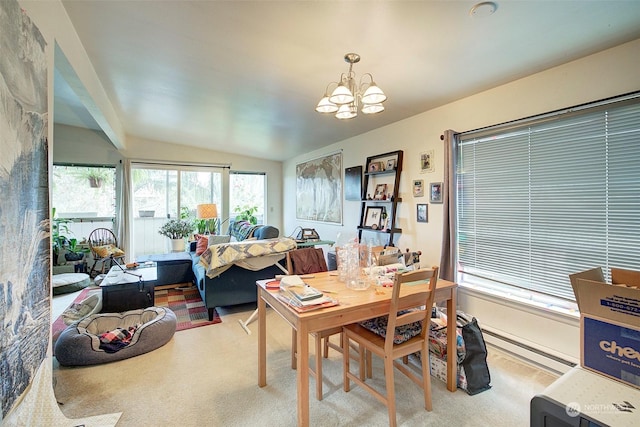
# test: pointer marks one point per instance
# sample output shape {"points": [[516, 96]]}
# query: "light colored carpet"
{"points": [[208, 376]]}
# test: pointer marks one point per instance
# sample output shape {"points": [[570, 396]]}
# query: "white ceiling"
{"points": [[245, 76]]}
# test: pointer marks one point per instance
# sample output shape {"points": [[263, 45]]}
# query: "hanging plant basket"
{"points": [[95, 182]]}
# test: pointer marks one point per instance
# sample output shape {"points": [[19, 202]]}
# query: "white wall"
{"points": [[608, 73]]}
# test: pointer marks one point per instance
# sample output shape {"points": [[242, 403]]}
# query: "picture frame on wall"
{"points": [[435, 193], [372, 217], [427, 161], [422, 212], [418, 188]]}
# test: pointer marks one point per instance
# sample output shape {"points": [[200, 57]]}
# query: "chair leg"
{"points": [[391, 395], [368, 364], [325, 353], [345, 362], [318, 367], [362, 362], [294, 348], [426, 378]]}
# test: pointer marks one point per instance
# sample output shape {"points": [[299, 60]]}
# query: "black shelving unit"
{"points": [[380, 195]]}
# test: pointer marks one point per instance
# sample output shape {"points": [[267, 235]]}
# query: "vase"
{"points": [[177, 245]]}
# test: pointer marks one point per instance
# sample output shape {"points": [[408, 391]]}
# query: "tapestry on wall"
{"points": [[24, 254], [319, 189]]}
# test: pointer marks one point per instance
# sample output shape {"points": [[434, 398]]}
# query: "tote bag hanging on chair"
{"points": [[475, 361]]}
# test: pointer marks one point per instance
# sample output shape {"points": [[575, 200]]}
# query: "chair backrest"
{"points": [[101, 237], [415, 307], [306, 261]]}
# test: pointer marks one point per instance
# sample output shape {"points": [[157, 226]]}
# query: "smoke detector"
{"points": [[484, 9]]}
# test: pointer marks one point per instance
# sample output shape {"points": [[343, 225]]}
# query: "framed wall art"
{"points": [[418, 188], [422, 212], [319, 189], [435, 194], [372, 217], [427, 161]]}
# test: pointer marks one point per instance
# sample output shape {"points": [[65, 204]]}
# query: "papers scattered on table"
{"points": [[299, 305]]}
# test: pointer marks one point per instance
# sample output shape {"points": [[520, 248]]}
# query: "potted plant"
{"points": [[176, 230], [59, 230], [246, 213], [74, 252]]}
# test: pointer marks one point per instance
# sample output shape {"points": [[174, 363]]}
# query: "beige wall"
{"points": [[608, 73]]}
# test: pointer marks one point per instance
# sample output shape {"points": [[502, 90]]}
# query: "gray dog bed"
{"points": [[79, 344]]}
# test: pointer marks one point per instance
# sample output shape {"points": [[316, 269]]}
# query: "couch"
{"points": [[235, 283]]}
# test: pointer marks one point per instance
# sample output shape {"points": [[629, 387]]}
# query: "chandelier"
{"points": [[348, 95]]}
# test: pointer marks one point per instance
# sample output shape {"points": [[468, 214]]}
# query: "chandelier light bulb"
{"points": [[373, 95], [347, 111], [372, 108], [326, 106], [341, 95]]}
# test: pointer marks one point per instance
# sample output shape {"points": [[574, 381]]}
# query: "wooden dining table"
{"points": [[353, 306]]}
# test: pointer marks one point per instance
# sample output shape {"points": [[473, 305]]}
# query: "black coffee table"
{"points": [[129, 289]]}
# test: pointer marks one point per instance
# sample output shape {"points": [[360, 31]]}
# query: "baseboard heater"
{"points": [[530, 353]]}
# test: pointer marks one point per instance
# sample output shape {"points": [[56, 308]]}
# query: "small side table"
{"points": [[128, 290]]}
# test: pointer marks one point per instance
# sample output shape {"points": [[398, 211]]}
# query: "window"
{"points": [[85, 195], [168, 191], [247, 190], [543, 198]]}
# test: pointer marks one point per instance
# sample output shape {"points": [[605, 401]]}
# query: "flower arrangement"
{"points": [[176, 229]]}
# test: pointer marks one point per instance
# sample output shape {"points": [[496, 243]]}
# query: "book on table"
{"points": [[298, 289]]}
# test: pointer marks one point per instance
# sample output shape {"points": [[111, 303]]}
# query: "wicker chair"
{"points": [[104, 248]]}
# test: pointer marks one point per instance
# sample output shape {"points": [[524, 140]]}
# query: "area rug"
{"points": [[188, 306]]}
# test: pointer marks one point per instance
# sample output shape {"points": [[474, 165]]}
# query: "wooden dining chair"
{"points": [[308, 261], [403, 332]]}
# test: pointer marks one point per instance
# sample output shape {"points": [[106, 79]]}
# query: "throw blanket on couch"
{"points": [[241, 230], [218, 258]]}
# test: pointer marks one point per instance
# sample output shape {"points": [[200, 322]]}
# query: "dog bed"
{"points": [[82, 343], [69, 282]]}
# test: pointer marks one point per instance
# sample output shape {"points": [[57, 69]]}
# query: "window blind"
{"points": [[544, 198]]}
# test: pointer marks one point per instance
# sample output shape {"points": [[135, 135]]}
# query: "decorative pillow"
{"points": [[106, 251], [202, 243], [403, 333]]}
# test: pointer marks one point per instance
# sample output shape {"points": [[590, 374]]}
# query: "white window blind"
{"points": [[550, 196]]}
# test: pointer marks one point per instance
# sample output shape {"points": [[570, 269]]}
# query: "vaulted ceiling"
{"points": [[245, 76]]}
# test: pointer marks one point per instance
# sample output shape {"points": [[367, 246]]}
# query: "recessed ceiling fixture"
{"points": [[347, 96], [483, 9]]}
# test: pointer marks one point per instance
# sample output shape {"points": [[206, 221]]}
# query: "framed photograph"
{"points": [[422, 212], [376, 167], [418, 188], [372, 217], [381, 191], [391, 164], [435, 195], [426, 161]]}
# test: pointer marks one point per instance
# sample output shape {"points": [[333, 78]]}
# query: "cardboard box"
{"points": [[609, 323]]}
